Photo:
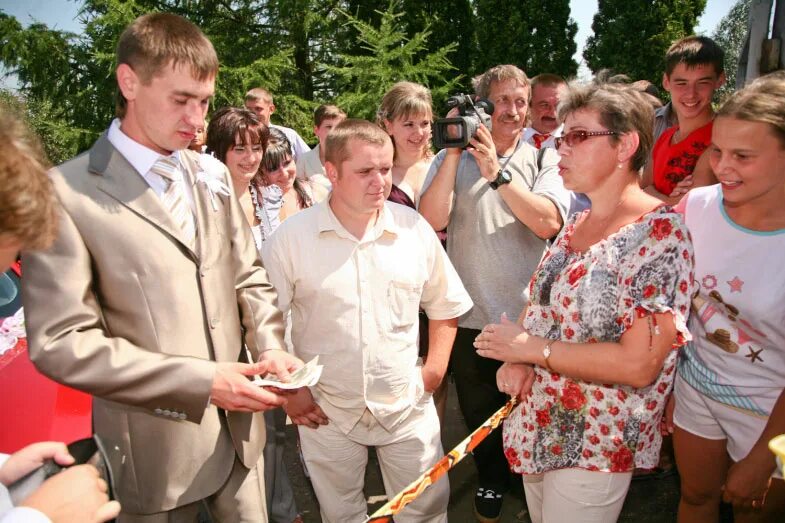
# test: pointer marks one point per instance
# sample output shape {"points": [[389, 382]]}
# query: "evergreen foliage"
{"points": [[730, 34], [536, 35]]}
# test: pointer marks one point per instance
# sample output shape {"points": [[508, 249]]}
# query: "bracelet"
{"points": [[546, 353]]}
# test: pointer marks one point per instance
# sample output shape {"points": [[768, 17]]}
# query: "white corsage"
{"points": [[212, 173]]}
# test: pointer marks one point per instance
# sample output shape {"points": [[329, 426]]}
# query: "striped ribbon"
{"points": [[448, 461], [173, 198]]}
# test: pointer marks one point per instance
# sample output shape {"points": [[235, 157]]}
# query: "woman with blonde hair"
{"points": [[729, 399], [607, 308], [406, 114]]}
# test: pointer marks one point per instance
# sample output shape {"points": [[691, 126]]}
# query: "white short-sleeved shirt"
{"points": [[737, 356], [355, 303]]}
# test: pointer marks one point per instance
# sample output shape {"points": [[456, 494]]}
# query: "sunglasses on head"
{"points": [[574, 138]]}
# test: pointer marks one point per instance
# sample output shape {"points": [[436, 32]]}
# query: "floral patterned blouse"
{"points": [[589, 297]]}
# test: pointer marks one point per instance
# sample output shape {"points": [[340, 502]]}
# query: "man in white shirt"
{"points": [[260, 101], [355, 305], [311, 164], [546, 91], [545, 127]]}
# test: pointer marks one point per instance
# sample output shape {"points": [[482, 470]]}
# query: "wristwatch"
{"points": [[503, 177], [546, 354]]}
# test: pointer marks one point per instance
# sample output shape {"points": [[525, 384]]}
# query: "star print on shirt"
{"points": [[754, 355], [735, 284]]}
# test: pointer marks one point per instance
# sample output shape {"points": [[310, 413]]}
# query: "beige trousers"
{"points": [[240, 500], [337, 461], [575, 494]]}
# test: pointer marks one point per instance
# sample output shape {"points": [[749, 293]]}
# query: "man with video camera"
{"points": [[500, 200]]}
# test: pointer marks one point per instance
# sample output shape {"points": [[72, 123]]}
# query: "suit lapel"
{"points": [[121, 181], [200, 200]]}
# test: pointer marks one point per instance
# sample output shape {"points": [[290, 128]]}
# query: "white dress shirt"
{"points": [[529, 132], [143, 158]]}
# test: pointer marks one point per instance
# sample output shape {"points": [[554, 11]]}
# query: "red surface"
{"points": [[35, 408]]}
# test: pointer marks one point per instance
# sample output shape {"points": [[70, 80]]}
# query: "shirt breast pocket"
{"points": [[404, 300]]}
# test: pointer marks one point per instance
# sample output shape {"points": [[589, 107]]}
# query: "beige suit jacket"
{"points": [[122, 308]]}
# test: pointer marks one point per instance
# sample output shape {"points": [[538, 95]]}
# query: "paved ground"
{"points": [[650, 501]]}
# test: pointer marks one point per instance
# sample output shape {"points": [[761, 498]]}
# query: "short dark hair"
{"points": [[327, 112], [232, 125], [693, 51], [159, 40]]}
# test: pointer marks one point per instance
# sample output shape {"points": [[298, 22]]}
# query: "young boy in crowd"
{"points": [[693, 71], [311, 163]]}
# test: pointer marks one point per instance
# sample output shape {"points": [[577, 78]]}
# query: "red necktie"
{"points": [[539, 139]]}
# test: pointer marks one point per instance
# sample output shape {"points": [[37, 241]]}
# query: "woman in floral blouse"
{"points": [[607, 309]]}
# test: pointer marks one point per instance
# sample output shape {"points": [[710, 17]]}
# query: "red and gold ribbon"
{"points": [[448, 461]]}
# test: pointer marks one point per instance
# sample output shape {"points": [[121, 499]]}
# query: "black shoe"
{"points": [[488, 505]]}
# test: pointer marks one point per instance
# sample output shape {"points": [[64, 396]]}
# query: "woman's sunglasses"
{"points": [[574, 138]]}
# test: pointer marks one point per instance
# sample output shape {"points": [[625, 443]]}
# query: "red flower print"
{"points": [[620, 424], [566, 301], [569, 333], [556, 449], [572, 397], [613, 411], [593, 468], [621, 395], [598, 395], [604, 429], [679, 235], [617, 441], [543, 417], [662, 387], [642, 252], [621, 460], [576, 317], [594, 440], [586, 425], [587, 453], [527, 454], [594, 412], [661, 228], [576, 274], [512, 457], [555, 376], [649, 291], [550, 391], [651, 405], [683, 287], [685, 254]]}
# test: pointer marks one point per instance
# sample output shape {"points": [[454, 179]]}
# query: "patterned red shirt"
{"points": [[594, 296], [674, 162]]}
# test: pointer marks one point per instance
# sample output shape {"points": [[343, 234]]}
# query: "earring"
{"points": [[619, 166]]}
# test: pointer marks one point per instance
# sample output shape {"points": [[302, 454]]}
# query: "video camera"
{"points": [[456, 132]]}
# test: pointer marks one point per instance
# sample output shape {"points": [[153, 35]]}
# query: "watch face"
{"points": [[505, 176]]}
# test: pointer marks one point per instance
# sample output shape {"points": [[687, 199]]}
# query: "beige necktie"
{"points": [[174, 196]]}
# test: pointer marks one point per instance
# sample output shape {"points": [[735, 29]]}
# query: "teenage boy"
{"points": [[312, 163], [693, 71], [260, 101]]}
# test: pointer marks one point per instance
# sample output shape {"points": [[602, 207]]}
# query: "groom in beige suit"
{"points": [[153, 287]]}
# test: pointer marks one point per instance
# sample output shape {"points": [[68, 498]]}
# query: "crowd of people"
{"points": [[617, 275]]}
